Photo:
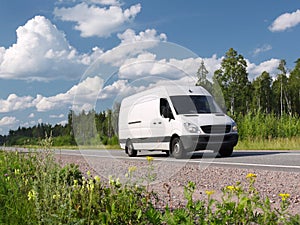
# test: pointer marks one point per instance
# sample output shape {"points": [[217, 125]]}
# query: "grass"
{"points": [[292, 143], [34, 189]]}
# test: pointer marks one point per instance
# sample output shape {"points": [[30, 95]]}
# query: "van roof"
{"points": [[185, 90], [168, 90]]}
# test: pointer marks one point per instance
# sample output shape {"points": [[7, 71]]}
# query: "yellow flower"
{"points": [[97, 179], [209, 193], [251, 175], [132, 169], [88, 173], [149, 158], [17, 171], [284, 196], [32, 195], [233, 188], [75, 183], [56, 196]]}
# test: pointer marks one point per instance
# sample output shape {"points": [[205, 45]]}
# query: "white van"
{"points": [[176, 120]]}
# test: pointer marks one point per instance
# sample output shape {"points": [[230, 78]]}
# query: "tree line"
{"points": [[279, 95], [230, 86], [84, 128]]}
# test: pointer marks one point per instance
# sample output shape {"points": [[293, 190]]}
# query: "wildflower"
{"points": [[17, 171], [284, 196], [232, 188], [56, 196], [32, 195], [209, 193], [90, 186], [149, 159], [97, 179], [251, 175], [132, 169], [75, 183], [88, 173]]}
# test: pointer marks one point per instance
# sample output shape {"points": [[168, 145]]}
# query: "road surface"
{"points": [[258, 159]]}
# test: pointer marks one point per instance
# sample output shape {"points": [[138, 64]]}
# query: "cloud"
{"points": [[96, 21], [269, 66], [14, 103], [119, 87], [41, 53], [262, 49], [106, 2], [147, 64], [81, 96], [285, 21], [31, 115], [8, 121], [129, 36], [131, 45], [57, 116]]}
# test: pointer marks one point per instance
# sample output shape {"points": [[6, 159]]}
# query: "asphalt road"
{"points": [[258, 159]]}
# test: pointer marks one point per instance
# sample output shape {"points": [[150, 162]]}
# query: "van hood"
{"points": [[207, 119]]}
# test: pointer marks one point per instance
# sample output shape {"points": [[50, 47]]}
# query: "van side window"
{"points": [[165, 110]]}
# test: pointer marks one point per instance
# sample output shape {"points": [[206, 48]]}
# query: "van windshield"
{"points": [[194, 104]]}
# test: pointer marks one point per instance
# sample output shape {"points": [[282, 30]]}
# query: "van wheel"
{"points": [[167, 152], [177, 148], [226, 151], [130, 149]]}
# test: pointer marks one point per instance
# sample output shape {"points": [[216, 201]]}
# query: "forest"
{"points": [[264, 108]]}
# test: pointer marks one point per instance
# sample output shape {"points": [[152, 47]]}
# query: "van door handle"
{"points": [[159, 122], [154, 122]]}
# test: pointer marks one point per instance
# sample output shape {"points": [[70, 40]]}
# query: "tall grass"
{"points": [[261, 126]]}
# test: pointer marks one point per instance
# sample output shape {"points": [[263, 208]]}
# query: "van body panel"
{"points": [[151, 118]]}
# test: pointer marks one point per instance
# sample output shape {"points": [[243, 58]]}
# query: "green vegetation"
{"points": [[36, 190], [268, 131]]}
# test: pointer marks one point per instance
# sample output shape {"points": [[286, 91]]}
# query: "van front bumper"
{"points": [[209, 142]]}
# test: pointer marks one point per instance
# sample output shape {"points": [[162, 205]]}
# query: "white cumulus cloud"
{"points": [[92, 20], [118, 87], [131, 45], [41, 53], [14, 103], [285, 21], [8, 121], [269, 66], [83, 96]]}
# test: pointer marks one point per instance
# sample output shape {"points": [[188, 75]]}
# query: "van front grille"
{"points": [[216, 129]]}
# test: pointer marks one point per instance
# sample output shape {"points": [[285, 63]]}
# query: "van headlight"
{"points": [[192, 128], [234, 127]]}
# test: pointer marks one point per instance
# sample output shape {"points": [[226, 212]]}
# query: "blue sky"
{"points": [[57, 55]]}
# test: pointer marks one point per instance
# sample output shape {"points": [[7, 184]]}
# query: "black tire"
{"points": [[226, 151], [130, 149], [167, 153], [177, 149]]}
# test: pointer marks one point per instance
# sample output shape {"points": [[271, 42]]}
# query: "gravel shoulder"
{"points": [[171, 179]]}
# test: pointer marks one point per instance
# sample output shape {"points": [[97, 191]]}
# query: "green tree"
{"points": [[294, 88], [233, 80], [263, 92], [280, 93]]}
